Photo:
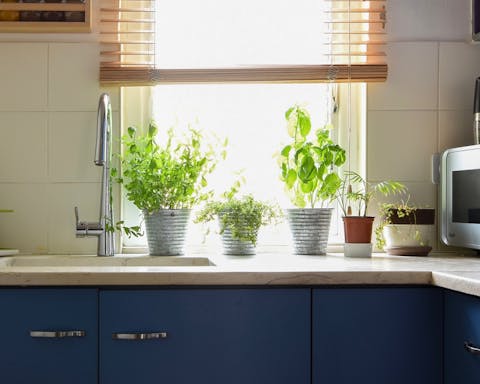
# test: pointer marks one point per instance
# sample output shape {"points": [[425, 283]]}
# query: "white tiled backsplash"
{"points": [[48, 102]]}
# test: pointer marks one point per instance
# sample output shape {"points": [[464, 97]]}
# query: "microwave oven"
{"points": [[460, 197]]}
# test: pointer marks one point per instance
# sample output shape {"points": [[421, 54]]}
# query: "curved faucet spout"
{"points": [[104, 228]]}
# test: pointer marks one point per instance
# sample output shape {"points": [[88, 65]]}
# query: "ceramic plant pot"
{"points": [[310, 228], [166, 230], [410, 235], [358, 236]]}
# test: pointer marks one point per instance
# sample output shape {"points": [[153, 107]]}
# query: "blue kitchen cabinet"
{"points": [[48, 336], [377, 335], [462, 325], [205, 336]]}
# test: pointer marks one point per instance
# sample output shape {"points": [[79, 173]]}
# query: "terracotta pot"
{"points": [[358, 229]]}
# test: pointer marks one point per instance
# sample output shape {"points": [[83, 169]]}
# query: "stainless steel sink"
{"points": [[114, 261]]}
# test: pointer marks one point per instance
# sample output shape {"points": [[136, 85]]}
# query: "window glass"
{"points": [[252, 117], [225, 33]]}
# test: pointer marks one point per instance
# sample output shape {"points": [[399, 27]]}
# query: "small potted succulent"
{"points": [[405, 229], [240, 219], [354, 197], [309, 172], [165, 182]]}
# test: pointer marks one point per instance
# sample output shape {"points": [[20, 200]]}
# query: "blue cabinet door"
{"points": [[213, 336], [462, 325], [377, 335], [31, 349]]}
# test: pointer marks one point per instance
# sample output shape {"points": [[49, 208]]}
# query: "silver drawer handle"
{"points": [[471, 348], [57, 334], [139, 336]]}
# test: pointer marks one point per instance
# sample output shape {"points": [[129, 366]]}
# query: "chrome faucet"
{"points": [[103, 229]]}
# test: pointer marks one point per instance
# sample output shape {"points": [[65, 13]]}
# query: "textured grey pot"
{"points": [[166, 230], [238, 247], [310, 228], [232, 246]]}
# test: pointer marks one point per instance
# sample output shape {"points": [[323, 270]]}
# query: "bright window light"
{"points": [[216, 33], [225, 32]]}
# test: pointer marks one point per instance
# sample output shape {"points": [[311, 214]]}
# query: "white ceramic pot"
{"points": [[406, 235]]}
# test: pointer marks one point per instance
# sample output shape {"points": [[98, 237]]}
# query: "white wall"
{"points": [[426, 105], [48, 100]]}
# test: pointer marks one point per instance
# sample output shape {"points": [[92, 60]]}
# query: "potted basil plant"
{"points": [[165, 182], [354, 197], [309, 171]]}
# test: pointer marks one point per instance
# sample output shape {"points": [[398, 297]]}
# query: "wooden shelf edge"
{"points": [[48, 26]]}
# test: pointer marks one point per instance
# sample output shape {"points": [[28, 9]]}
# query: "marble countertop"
{"points": [[453, 272]]}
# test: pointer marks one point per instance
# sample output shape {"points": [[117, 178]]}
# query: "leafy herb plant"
{"points": [[391, 212], [308, 166], [172, 176], [242, 216], [357, 192]]}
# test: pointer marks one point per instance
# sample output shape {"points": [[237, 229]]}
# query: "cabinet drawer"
{"points": [[233, 336], [462, 325], [48, 336]]}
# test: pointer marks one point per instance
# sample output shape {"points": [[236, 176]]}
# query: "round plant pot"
{"points": [[358, 229], [410, 235], [166, 230], [236, 247], [310, 228], [420, 216]]}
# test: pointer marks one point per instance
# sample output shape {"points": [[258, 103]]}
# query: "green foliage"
{"points": [[171, 176], [308, 167], [388, 211], [242, 216], [354, 189]]}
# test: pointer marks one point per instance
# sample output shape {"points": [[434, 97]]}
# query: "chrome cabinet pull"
{"points": [[471, 348], [57, 334], [139, 336]]}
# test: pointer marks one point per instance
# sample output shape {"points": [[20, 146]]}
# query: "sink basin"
{"points": [[114, 261]]}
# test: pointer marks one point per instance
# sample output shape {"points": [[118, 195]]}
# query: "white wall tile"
{"points": [[455, 129], [72, 137], [71, 140], [412, 78], [23, 147], [459, 67], [74, 78], [414, 20], [23, 76], [26, 228], [62, 198], [400, 144]]}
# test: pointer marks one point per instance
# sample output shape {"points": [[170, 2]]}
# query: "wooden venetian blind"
{"points": [[354, 38]]}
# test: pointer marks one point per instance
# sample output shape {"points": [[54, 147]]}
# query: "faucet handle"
{"points": [[85, 228]]}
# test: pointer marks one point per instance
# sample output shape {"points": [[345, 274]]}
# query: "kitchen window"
{"points": [[234, 68]]}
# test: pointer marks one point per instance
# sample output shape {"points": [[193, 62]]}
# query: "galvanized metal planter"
{"points": [[310, 228], [166, 230], [233, 246]]}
